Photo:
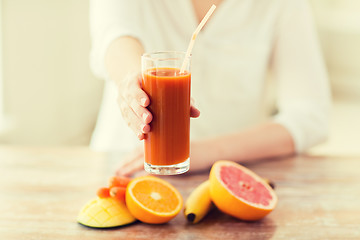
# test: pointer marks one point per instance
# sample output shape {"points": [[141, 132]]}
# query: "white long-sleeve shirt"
{"points": [[230, 60]]}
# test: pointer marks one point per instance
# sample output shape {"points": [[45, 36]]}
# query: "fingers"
{"points": [[138, 102], [133, 121], [133, 102], [194, 112]]}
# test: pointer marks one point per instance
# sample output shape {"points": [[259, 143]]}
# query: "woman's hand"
{"points": [[133, 102], [133, 162]]}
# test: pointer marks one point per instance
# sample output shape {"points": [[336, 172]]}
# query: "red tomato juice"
{"points": [[167, 143]]}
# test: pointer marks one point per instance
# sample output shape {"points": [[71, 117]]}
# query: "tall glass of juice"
{"points": [[167, 145]]}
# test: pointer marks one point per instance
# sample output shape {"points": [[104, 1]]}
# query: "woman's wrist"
{"points": [[204, 153], [226, 147]]}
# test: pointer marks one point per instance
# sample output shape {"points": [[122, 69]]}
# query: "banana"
{"points": [[270, 183], [198, 204]]}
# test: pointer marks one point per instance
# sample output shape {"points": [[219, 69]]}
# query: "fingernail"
{"points": [[139, 135], [144, 116], [143, 126], [143, 101]]}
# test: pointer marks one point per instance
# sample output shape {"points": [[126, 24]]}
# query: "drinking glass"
{"points": [[167, 145]]}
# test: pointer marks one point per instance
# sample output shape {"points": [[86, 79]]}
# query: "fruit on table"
{"points": [[117, 181], [152, 200], [118, 193], [198, 204], [239, 192], [103, 192], [109, 209], [105, 213]]}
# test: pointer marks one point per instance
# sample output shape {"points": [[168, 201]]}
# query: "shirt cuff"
{"points": [[293, 129]]}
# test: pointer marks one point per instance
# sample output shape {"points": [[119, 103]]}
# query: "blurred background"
{"points": [[48, 95]]}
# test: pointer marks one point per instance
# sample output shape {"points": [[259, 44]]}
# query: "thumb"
{"points": [[194, 112]]}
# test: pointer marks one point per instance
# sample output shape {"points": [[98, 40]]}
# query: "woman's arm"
{"points": [[123, 57], [303, 101], [116, 56], [123, 65], [263, 141], [303, 94]]}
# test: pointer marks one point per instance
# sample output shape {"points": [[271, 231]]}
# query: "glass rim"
{"points": [[150, 56]]}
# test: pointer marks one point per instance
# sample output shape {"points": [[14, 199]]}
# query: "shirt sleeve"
{"points": [[110, 19], [303, 94]]}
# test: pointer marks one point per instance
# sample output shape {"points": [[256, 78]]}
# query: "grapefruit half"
{"points": [[239, 192]]}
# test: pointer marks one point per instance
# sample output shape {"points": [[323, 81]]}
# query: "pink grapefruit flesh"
{"points": [[244, 186]]}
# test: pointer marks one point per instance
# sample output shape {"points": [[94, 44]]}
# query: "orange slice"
{"points": [[239, 192], [153, 200]]}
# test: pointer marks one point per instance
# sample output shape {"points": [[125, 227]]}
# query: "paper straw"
{"points": [[196, 32]]}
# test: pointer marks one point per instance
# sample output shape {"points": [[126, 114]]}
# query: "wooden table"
{"points": [[42, 190]]}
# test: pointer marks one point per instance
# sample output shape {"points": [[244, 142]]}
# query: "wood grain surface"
{"points": [[42, 190]]}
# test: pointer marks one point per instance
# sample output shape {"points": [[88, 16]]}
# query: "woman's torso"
{"points": [[229, 62]]}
